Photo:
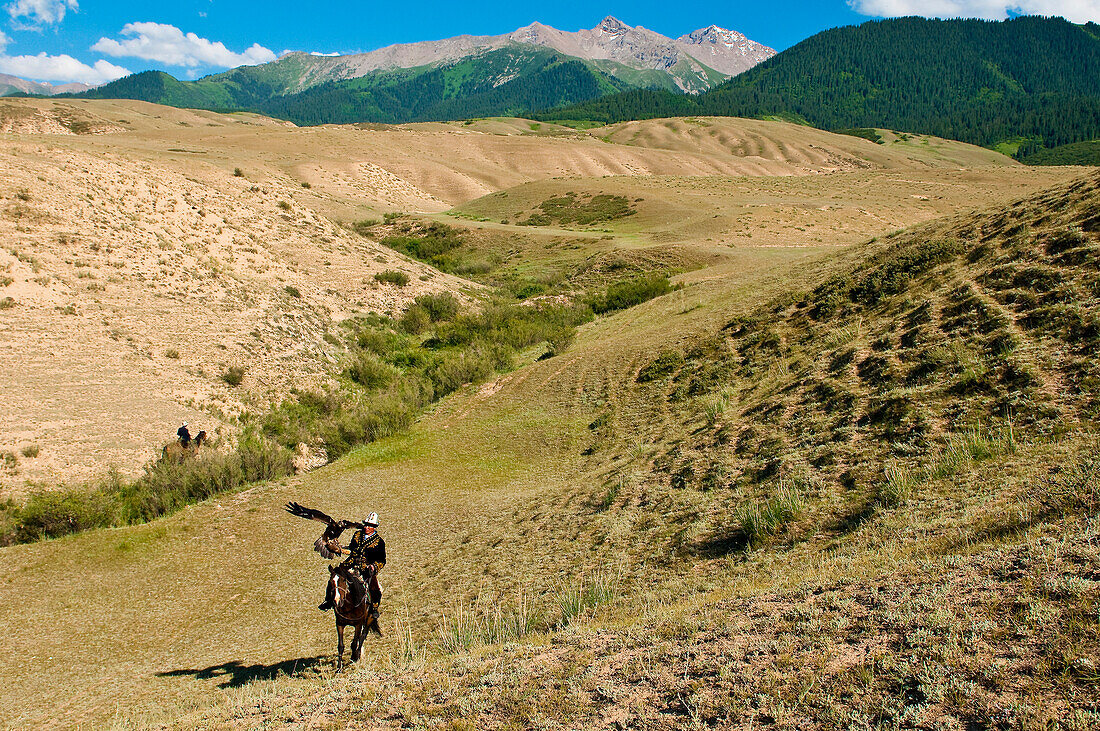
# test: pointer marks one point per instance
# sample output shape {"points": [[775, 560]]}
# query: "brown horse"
{"points": [[352, 608], [177, 452]]}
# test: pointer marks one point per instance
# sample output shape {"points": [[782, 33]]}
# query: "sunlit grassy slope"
{"points": [[571, 471], [870, 500]]}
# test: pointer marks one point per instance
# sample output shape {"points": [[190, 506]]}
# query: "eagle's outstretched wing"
{"points": [[332, 532]]}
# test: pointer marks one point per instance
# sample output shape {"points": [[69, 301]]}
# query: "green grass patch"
{"points": [[584, 209]]}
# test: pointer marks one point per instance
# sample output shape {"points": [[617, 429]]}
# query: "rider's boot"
{"points": [[328, 603]]}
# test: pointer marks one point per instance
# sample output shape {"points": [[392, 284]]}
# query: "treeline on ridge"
{"points": [[1033, 82]]}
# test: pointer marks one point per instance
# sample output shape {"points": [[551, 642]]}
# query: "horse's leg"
{"points": [[339, 646], [357, 643]]}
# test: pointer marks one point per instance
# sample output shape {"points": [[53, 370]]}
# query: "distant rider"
{"points": [[367, 555], [184, 435]]}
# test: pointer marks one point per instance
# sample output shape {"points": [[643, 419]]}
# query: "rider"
{"points": [[184, 435], [367, 554]]}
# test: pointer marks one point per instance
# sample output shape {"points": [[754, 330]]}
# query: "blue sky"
{"points": [[95, 41]]}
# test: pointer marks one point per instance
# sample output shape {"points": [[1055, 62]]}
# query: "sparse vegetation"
{"points": [[166, 486], [584, 209], [391, 276], [234, 375]]}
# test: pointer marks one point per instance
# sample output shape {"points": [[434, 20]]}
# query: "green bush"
{"points": [[234, 375], [621, 295], [666, 362], [391, 276], [430, 243], [370, 372], [415, 320], [52, 514], [440, 307]]}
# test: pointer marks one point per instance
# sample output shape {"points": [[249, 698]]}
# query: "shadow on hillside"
{"points": [[721, 543], [235, 673]]}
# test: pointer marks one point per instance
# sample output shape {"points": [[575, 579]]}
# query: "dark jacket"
{"points": [[366, 551]]}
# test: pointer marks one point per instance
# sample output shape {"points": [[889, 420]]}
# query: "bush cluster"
{"points": [[165, 486], [621, 295]]}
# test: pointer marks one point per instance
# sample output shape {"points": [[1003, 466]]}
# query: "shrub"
{"points": [[30, 451], [622, 295], [440, 307], [7, 303], [370, 372], [172, 353], [431, 243], [55, 513], [238, 173], [363, 228], [415, 320], [234, 375], [392, 276], [292, 291], [284, 205], [662, 366]]}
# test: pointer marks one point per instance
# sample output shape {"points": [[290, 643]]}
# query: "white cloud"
{"points": [[26, 14], [61, 68], [170, 45], [1078, 11], [318, 53], [4, 41]]}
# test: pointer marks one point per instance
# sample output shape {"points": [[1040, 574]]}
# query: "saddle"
{"points": [[357, 582]]}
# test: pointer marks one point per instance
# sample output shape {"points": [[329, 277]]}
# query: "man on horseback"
{"points": [[366, 557], [184, 435]]}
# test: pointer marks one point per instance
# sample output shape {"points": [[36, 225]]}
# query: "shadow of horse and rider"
{"points": [[234, 674]]}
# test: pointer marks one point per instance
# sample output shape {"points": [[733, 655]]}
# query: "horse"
{"points": [[352, 608], [176, 451]]}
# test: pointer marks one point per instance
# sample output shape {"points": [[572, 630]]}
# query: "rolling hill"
{"points": [[839, 476]]}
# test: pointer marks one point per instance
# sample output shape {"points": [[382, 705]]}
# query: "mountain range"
{"points": [[693, 61], [1018, 85], [533, 68], [15, 85]]}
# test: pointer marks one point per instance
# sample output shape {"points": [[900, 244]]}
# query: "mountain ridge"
{"points": [[1016, 85], [727, 51]]}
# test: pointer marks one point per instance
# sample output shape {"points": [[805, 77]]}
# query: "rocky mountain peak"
{"points": [[612, 26]]}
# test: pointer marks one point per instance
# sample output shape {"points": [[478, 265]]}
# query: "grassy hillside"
{"points": [[1028, 78], [869, 502], [679, 514]]}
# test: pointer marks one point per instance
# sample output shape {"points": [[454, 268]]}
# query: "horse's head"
{"points": [[200, 438]]}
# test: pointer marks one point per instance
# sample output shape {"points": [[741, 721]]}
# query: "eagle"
{"points": [[332, 532]]}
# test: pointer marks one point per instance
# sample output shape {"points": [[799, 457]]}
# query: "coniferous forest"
{"points": [[1027, 83]]}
